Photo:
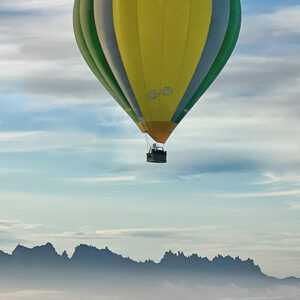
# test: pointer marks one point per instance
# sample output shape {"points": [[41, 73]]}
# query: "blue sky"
{"points": [[72, 164]]}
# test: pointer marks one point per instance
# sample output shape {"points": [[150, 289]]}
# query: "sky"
{"points": [[72, 163]]}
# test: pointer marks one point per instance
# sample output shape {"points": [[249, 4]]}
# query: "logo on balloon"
{"points": [[166, 91], [153, 94]]}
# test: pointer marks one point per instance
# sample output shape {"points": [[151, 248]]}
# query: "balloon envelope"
{"points": [[156, 57]]}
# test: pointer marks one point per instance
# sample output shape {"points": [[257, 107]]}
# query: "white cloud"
{"points": [[37, 294], [13, 171], [50, 140], [295, 205], [13, 232], [165, 290], [7, 136], [15, 224], [34, 5], [288, 177], [138, 232], [260, 195], [101, 179], [279, 26]]}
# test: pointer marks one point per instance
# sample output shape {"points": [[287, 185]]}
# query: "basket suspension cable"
{"points": [[147, 141]]}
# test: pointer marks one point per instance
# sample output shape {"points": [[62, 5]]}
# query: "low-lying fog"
{"points": [[165, 291]]}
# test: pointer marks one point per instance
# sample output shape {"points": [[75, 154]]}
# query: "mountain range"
{"points": [[89, 262]]}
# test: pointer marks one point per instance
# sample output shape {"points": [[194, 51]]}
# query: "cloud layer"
{"points": [[166, 291]]}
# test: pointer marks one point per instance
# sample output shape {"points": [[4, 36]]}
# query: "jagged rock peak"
{"points": [[3, 254], [44, 250], [65, 255], [20, 249], [84, 247], [86, 255], [86, 251]]}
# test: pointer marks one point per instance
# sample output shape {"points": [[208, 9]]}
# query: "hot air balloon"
{"points": [[156, 57]]}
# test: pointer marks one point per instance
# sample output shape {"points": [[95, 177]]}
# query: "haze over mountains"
{"points": [[91, 273], [45, 262]]}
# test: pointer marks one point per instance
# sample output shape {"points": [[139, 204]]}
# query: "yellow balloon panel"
{"points": [[161, 42]]}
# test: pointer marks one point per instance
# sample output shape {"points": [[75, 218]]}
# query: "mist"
{"points": [[165, 290]]}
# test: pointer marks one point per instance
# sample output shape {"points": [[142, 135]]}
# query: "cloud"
{"points": [[33, 5], [37, 294], [165, 290], [295, 205], [8, 222], [279, 26], [209, 239], [6, 136], [135, 232], [50, 140], [13, 232], [13, 171], [13, 224], [100, 179], [41, 59], [260, 195], [288, 177]]}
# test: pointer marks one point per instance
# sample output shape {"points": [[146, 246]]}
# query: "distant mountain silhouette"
{"points": [[4, 258], [219, 264], [43, 261], [45, 254], [88, 255]]}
